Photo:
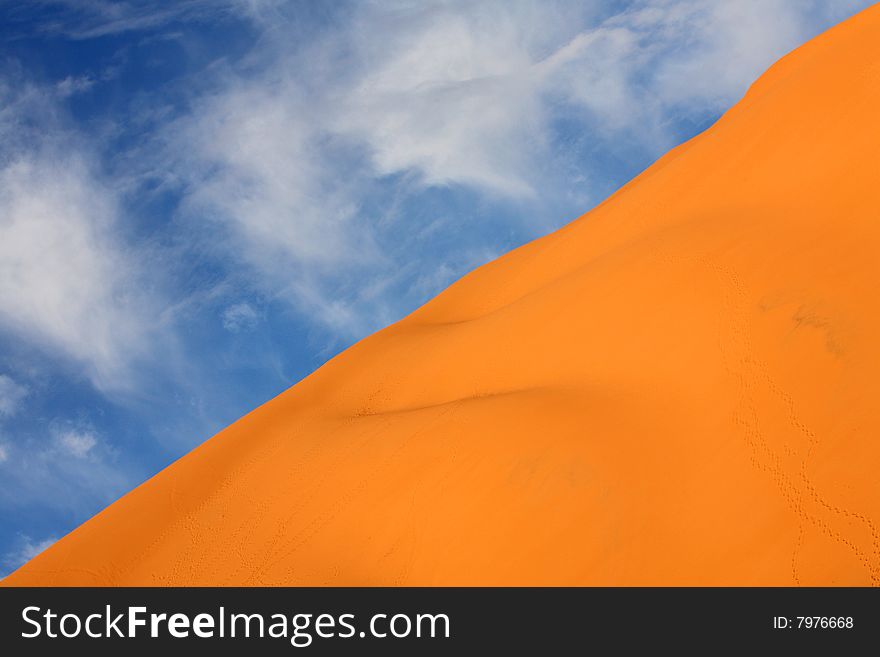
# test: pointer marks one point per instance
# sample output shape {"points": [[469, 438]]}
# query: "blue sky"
{"points": [[201, 202]]}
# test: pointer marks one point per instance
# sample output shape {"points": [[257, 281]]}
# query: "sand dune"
{"points": [[680, 387]]}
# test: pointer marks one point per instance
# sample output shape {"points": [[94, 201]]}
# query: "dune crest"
{"points": [[678, 388]]}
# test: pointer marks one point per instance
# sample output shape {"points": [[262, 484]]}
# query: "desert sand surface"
{"points": [[681, 387]]}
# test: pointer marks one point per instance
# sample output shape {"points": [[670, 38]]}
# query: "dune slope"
{"points": [[679, 387]]}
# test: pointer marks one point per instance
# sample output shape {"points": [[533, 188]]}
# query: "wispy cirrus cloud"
{"points": [[26, 548], [12, 394], [68, 280], [240, 317], [71, 469], [89, 19], [77, 443]]}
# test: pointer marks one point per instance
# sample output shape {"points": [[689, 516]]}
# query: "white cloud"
{"points": [[468, 93], [240, 317], [33, 548], [11, 395], [279, 159], [70, 86], [448, 90], [67, 281], [26, 550], [85, 19], [4, 453], [70, 469], [273, 199], [728, 46], [76, 442], [263, 177]]}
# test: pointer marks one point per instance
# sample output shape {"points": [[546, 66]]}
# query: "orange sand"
{"points": [[681, 387]]}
